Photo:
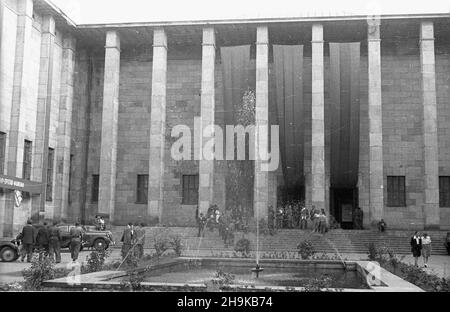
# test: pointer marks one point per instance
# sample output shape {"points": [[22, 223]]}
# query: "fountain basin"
{"points": [[193, 274]]}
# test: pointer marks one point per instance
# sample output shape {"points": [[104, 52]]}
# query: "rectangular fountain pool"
{"points": [[278, 273]]}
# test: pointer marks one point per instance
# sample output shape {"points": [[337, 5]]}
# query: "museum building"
{"points": [[87, 113]]}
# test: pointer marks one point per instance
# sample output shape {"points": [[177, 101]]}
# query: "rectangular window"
{"points": [[49, 188], [190, 189], [95, 183], [142, 189], [444, 191], [396, 191], [2, 152], [27, 150]]}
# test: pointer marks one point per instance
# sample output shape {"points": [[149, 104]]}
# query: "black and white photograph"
{"points": [[225, 152]]}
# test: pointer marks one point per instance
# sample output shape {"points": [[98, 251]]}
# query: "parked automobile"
{"points": [[9, 250], [92, 238]]}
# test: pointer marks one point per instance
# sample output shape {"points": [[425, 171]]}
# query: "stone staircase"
{"points": [[341, 241]]}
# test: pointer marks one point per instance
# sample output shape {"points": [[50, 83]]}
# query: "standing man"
{"points": [[141, 240], [138, 240], [76, 236], [55, 242], [304, 214], [416, 247], [42, 241], [271, 219], [102, 224], [97, 223], [201, 221], [127, 240], [28, 240], [358, 219]]}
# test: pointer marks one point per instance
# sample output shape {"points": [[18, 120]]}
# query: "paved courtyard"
{"points": [[12, 271]]}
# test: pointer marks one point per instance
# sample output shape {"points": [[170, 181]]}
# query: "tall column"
{"points": [[2, 83], [2, 18], [206, 166], [431, 155], [110, 113], [64, 129], [376, 195], [20, 97], [261, 177], [318, 122], [44, 104], [158, 124]]}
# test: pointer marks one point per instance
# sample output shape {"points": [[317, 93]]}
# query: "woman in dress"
{"points": [[416, 247], [426, 248]]}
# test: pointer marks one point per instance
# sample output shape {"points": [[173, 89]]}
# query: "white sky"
{"points": [[116, 11]]}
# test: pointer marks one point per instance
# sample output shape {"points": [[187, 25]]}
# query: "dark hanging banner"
{"points": [[344, 112], [235, 73], [288, 67], [239, 173]]}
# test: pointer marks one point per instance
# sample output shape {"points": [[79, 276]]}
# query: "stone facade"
{"points": [[112, 114]]}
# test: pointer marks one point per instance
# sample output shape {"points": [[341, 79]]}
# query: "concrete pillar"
{"points": [[318, 121], [207, 117], [110, 114], [20, 97], [64, 129], [158, 124], [376, 178], [44, 104], [430, 136], [261, 177], [2, 18]]}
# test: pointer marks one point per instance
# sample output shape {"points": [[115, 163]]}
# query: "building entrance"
{"points": [[343, 202]]}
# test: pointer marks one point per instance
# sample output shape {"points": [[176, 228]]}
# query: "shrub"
{"points": [[221, 279], [306, 249], [39, 272], [243, 247], [322, 283], [160, 243], [176, 244], [111, 266], [95, 261], [372, 251], [134, 280]]}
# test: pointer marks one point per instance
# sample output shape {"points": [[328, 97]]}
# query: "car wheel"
{"points": [[100, 244], [8, 254]]}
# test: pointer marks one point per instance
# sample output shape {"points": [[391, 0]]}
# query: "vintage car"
{"points": [[9, 250], [92, 238]]}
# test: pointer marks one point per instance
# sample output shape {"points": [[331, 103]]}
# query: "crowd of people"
{"points": [[46, 241], [295, 215], [213, 219]]}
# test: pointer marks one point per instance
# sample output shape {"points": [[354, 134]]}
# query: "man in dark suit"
{"points": [[55, 242], [416, 247], [28, 240], [76, 237], [127, 240], [42, 241]]}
